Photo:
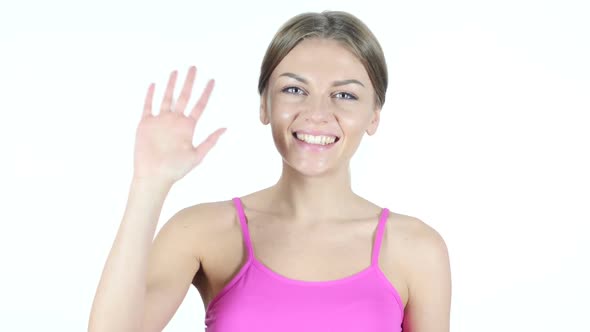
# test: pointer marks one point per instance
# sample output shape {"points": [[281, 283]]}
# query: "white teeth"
{"points": [[320, 140]]}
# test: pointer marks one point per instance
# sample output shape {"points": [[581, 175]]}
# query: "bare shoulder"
{"points": [[176, 257], [194, 225], [204, 214], [419, 244], [424, 255], [416, 234]]}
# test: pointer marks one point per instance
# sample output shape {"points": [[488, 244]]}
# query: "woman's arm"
{"points": [[145, 280], [119, 300], [429, 304]]}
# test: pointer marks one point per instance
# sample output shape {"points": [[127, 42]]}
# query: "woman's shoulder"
{"points": [[410, 224], [197, 227], [413, 231], [416, 243], [207, 216]]}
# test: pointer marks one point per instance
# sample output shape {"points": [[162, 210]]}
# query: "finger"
{"points": [[167, 101], [203, 148], [200, 106], [147, 105], [185, 94]]}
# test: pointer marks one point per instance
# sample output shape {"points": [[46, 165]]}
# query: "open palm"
{"points": [[163, 142]]}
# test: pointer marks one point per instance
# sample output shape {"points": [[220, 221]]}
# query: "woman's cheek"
{"points": [[354, 108], [347, 109], [286, 106]]}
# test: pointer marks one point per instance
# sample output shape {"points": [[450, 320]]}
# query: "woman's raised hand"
{"points": [[163, 144]]}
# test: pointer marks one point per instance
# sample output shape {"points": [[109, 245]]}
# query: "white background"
{"points": [[484, 136]]}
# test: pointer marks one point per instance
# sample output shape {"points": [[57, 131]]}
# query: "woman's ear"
{"points": [[264, 118], [375, 117]]}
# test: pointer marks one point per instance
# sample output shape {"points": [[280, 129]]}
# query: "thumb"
{"points": [[201, 151]]}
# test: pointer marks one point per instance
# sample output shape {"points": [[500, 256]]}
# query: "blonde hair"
{"points": [[336, 25]]}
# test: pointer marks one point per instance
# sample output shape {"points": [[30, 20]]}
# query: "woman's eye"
{"points": [[345, 95], [297, 91], [293, 90]]}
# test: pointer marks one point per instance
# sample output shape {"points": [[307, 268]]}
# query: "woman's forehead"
{"points": [[322, 59]]}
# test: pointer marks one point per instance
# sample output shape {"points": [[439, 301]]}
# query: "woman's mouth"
{"points": [[315, 143]]}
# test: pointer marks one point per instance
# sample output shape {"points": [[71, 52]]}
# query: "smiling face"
{"points": [[319, 87]]}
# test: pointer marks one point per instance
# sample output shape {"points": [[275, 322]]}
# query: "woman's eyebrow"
{"points": [[344, 82], [336, 83]]}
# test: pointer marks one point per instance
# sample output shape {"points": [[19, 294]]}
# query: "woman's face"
{"points": [[320, 87]]}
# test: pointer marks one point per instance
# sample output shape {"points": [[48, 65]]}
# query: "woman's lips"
{"points": [[314, 132], [313, 147]]}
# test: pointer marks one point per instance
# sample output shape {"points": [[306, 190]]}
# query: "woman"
{"points": [[306, 254]]}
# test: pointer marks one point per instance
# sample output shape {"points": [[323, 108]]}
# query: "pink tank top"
{"points": [[259, 299]]}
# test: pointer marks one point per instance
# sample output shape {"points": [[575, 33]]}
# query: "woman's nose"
{"points": [[318, 109]]}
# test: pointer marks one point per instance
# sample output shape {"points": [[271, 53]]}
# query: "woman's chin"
{"points": [[308, 168]]}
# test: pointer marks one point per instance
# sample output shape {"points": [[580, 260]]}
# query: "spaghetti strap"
{"points": [[379, 236], [244, 225], [258, 298]]}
